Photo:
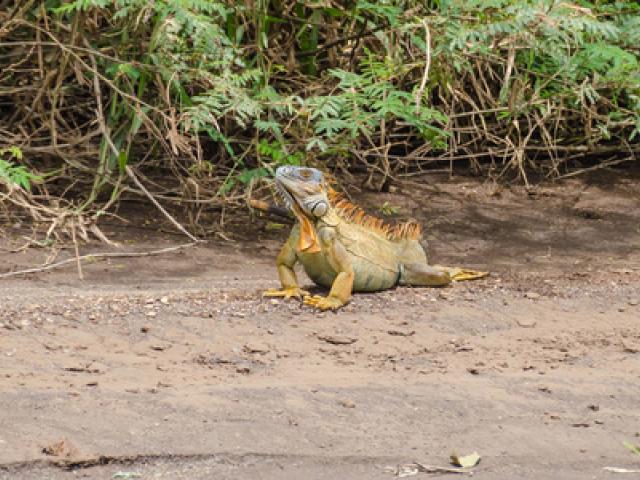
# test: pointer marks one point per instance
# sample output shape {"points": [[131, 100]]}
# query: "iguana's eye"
{"points": [[305, 173]]}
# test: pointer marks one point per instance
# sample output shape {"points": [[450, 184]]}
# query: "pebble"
{"points": [[532, 295], [347, 403], [633, 302]]}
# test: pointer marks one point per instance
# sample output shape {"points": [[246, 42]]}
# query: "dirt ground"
{"points": [[173, 366]]}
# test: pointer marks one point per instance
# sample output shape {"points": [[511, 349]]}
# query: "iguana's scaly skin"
{"points": [[342, 249]]}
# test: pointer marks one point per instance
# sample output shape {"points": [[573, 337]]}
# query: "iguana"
{"points": [[345, 250]]}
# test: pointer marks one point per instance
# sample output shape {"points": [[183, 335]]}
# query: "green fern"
{"points": [[16, 174]]}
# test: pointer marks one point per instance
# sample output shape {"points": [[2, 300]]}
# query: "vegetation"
{"points": [[199, 99]]}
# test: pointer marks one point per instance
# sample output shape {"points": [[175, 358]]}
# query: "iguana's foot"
{"points": [[323, 303], [286, 293]]}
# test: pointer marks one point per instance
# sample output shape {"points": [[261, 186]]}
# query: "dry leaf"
{"points": [[620, 470], [466, 461]]}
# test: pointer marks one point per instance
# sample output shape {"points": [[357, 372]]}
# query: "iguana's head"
{"points": [[305, 193]]}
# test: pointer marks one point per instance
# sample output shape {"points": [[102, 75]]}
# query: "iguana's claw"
{"points": [[286, 293], [323, 303]]}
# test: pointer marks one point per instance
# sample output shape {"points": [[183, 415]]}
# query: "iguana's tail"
{"points": [[461, 274]]}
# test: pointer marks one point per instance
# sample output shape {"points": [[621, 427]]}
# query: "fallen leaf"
{"points": [[412, 469], [526, 323], [634, 448], [620, 470], [466, 461], [127, 475], [61, 449]]}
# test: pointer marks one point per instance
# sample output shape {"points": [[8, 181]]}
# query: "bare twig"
{"points": [[427, 66], [605, 164], [77, 252], [96, 256], [116, 152]]}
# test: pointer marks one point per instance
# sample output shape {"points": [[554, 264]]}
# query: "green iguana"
{"points": [[343, 249]]}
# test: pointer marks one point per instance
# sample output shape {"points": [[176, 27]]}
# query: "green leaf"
{"points": [[634, 448], [122, 160], [252, 174]]}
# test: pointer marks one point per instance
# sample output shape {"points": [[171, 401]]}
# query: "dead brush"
{"points": [[191, 106]]}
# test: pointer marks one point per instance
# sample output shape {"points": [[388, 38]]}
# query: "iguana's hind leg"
{"points": [[423, 275], [285, 263]]}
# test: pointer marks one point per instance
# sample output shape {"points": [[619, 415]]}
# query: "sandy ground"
{"points": [[173, 366]]}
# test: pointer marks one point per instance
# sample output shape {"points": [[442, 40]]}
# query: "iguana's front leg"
{"points": [[285, 262], [343, 283]]}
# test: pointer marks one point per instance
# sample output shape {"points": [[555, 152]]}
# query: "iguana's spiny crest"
{"points": [[306, 193], [356, 215]]}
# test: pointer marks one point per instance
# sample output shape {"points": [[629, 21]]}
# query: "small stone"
{"points": [[532, 295], [274, 301], [633, 302], [145, 328], [151, 314], [164, 300], [593, 407], [347, 403]]}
